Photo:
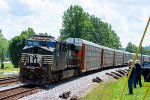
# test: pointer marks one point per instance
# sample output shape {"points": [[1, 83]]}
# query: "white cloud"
{"points": [[3, 5], [128, 18]]}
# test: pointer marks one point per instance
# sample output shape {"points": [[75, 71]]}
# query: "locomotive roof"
{"points": [[42, 38]]}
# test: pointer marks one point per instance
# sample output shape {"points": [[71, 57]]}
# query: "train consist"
{"points": [[45, 60]]}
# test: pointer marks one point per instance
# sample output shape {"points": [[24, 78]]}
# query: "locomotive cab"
{"points": [[36, 58]]}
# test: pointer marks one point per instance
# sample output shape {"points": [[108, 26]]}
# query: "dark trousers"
{"points": [[138, 80], [130, 85]]}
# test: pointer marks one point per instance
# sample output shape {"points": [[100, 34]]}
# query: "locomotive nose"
{"points": [[35, 50], [32, 75]]}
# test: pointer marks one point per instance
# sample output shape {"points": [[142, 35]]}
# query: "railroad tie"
{"points": [[114, 76], [65, 95], [97, 79], [124, 71], [118, 74]]}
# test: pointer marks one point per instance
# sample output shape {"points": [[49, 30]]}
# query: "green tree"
{"points": [[3, 48], [76, 23], [97, 32], [103, 34], [28, 33], [129, 47], [133, 48], [145, 51], [43, 34], [16, 45], [79, 24]]}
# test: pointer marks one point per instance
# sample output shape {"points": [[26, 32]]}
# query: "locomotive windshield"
{"points": [[45, 41], [40, 43]]}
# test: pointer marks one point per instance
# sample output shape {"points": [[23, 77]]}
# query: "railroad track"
{"points": [[9, 80], [18, 92]]}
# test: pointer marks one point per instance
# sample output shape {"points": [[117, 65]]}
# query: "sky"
{"points": [[128, 18]]}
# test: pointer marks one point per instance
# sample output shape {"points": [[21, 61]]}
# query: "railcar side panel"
{"points": [[118, 58], [146, 58], [131, 56], [92, 57], [108, 57], [126, 57], [139, 58]]}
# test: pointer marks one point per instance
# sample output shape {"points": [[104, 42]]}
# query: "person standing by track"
{"points": [[138, 73], [131, 77]]}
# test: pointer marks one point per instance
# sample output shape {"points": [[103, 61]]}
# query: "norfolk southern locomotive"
{"points": [[45, 60]]}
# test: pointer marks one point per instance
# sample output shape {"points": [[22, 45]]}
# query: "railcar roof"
{"points": [[146, 55], [119, 51], [108, 48], [90, 43], [79, 42]]}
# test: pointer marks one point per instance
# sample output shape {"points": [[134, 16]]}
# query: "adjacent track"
{"points": [[8, 80], [18, 92]]}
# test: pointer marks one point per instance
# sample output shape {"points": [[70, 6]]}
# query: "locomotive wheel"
{"points": [[31, 75], [76, 71]]}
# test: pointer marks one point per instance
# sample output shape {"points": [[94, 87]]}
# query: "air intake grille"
{"points": [[48, 59], [24, 58]]}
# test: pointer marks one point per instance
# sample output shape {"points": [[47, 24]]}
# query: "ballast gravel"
{"points": [[9, 73], [10, 86], [78, 86]]}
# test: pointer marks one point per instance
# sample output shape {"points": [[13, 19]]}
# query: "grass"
{"points": [[8, 67], [112, 90], [5, 76]]}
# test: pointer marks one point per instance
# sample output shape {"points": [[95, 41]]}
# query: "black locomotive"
{"points": [[46, 60]]}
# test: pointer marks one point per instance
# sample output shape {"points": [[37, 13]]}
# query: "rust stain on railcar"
{"points": [[83, 58], [102, 57]]}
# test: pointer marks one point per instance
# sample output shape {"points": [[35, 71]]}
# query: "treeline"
{"points": [[79, 24], [133, 48]]}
